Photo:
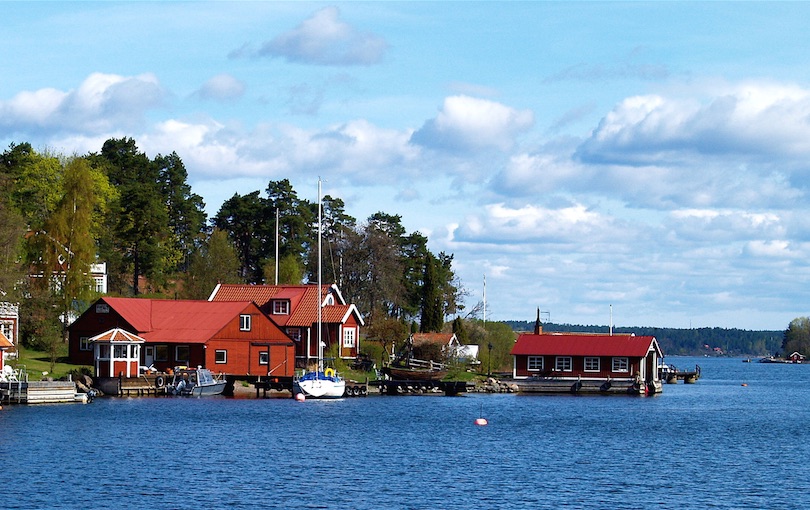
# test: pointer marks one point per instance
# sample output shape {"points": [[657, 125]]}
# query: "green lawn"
{"points": [[37, 362]]}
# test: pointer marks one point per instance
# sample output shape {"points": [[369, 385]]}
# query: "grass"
{"points": [[38, 362]]}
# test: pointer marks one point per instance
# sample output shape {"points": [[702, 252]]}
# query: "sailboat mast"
{"points": [[320, 296]]}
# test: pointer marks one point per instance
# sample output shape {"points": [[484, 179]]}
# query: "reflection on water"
{"points": [[715, 444]]}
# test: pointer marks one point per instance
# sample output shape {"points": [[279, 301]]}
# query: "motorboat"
{"points": [[196, 382]]}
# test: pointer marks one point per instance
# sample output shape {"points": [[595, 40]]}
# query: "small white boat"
{"points": [[195, 382], [320, 384]]}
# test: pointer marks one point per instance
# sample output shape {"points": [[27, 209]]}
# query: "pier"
{"points": [[19, 390], [418, 387]]}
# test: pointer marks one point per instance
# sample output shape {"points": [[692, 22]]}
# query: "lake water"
{"points": [[714, 444]]}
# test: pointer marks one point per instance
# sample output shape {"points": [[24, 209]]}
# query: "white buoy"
{"points": [[300, 397], [481, 421]]}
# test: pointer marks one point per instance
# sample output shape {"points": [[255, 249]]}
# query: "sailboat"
{"points": [[319, 383]]}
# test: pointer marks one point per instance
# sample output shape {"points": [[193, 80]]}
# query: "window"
{"points": [[294, 333], [104, 351], [120, 351], [534, 363], [281, 307], [220, 356], [592, 364], [84, 344], [563, 364], [621, 365], [181, 354], [264, 358], [244, 322], [161, 353], [348, 337], [102, 308]]}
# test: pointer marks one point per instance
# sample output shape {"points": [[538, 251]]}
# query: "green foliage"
{"points": [[797, 337], [215, 262], [432, 316]]}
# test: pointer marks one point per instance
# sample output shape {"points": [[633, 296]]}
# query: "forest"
{"points": [[59, 214]]}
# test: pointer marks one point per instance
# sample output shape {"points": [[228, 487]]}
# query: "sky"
{"points": [[634, 164]]}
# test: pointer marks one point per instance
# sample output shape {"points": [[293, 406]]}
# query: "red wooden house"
{"points": [[586, 362], [231, 337], [295, 309]]}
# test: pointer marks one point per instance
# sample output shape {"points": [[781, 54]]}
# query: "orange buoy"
{"points": [[744, 384], [481, 421]]}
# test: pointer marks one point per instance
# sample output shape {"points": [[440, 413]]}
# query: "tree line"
{"points": [[60, 214]]}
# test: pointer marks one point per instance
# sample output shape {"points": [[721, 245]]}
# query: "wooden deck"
{"points": [[584, 386]]}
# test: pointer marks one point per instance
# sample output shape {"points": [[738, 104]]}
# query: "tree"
{"points": [[68, 247], [35, 183], [186, 210], [142, 235], [432, 316], [12, 229], [242, 218], [215, 262], [797, 336]]}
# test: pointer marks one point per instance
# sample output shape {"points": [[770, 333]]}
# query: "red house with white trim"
{"points": [[548, 362], [294, 308], [235, 337]]}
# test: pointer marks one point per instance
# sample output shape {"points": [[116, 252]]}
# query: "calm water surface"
{"points": [[715, 444]]}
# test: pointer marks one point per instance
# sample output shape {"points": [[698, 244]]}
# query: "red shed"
{"points": [[599, 360]]}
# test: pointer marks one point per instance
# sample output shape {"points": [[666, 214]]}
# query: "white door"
{"points": [[148, 355]]}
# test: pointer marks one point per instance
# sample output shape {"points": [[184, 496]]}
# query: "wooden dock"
{"points": [[585, 386], [41, 392], [687, 376], [403, 387]]}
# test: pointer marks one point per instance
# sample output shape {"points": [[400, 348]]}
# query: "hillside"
{"points": [[684, 342]]}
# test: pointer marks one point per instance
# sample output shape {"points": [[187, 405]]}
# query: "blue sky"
{"points": [[649, 157]]}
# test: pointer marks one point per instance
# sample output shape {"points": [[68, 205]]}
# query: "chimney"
{"points": [[538, 328]]}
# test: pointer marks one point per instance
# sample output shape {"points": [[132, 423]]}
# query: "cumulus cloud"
{"points": [[222, 87], [102, 102], [531, 223], [470, 124], [325, 39], [750, 119]]}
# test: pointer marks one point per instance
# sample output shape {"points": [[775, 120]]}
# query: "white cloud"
{"points": [[752, 119], [529, 223], [101, 103], [222, 87], [325, 39], [468, 124]]}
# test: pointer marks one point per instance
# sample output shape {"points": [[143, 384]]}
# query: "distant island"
{"points": [[684, 342]]}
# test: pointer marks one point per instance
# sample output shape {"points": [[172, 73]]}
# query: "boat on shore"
{"points": [[195, 382], [414, 374]]}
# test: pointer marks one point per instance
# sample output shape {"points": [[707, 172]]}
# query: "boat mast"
{"points": [[320, 296]]}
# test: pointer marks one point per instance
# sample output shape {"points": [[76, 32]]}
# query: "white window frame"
{"points": [[294, 333], [224, 353], [349, 337], [281, 307], [84, 344], [621, 364], [564, 364], [535, 363], [264, 357], [593, 364], [244, 322]]}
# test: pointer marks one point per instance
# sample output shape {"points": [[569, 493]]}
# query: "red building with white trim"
{"points": [[295, 309], [234, 337]]}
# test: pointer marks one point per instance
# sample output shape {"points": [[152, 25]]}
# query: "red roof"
{"points": [[433, 338], [118, 335], [186, 321], [303, 302], [584, 345]]}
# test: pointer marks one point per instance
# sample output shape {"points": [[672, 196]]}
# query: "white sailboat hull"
{"points": [[320, 388]]}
